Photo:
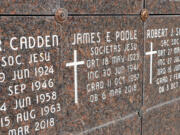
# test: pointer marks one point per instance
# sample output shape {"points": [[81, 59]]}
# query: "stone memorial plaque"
{"points": [[29, 74], [102, 6], [162, 60], [163, 120], [102, 70], [163, 6], [39, 7]]}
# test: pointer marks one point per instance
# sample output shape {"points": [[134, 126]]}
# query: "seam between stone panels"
{"points": [[163, 104], [107, 124], [143, 81], [103, 14], [27, 15], [141, 126], [144, 4], [164, 14], [70, 15], [143, 84]]}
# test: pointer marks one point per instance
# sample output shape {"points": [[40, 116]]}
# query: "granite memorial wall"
{"points": [[95, 67]]}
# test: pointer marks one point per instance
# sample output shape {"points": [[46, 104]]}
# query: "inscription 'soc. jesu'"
{"points": [[29, 61], [163, 69]]}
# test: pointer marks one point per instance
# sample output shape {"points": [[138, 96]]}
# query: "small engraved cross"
{"points": [[151, 60], [75, 64]]}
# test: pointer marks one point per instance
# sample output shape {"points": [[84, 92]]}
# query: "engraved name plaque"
{"points": [[162, 59], [161, 76], [29, 69], [102, 70]]}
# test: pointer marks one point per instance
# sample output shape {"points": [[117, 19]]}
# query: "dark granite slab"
{"points": [[39, 7], [163, 6], [102, 6], [162, 41], [103, 46], [127, 126], [163, 120], [36, 89]]}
